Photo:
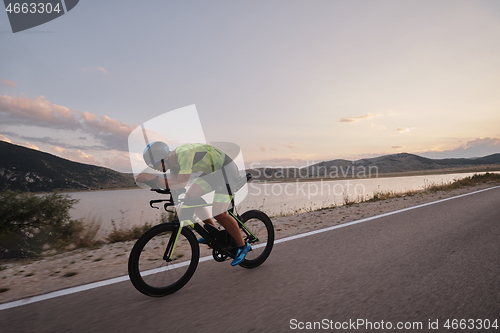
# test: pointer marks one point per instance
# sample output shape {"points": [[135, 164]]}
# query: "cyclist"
{"points": [[219, 173]]}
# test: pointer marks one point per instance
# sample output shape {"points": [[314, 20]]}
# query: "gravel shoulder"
{"points": [[23, 279]]}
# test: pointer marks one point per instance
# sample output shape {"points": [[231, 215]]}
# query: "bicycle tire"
{"points": [[261, 226], [150, 273]]}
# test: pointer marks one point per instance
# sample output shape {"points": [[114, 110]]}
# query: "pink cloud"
{"points": [[5, 139], [404, 130], [107, 124], [482, 142], [28, 145], [478, 147], [358, 118], [57, 149], [24, 144], [40, 112], [117, 160], [76, 155], [7, 83]]}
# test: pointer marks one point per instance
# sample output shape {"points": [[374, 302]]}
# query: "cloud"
{"points": [[24, 143], [402, 130], [7, 83], [118, 160], [397, 147], [4, 138], [93, 69], [54, 142], [262, 148], [475, 148], [57, 149], [112, 133], [372, 125], [27, 145], [76, 155], [291, 145], [491, 142], [359, 118], [38, 111]]}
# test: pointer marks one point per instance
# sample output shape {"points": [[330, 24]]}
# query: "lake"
{"points": [[131, 207]]}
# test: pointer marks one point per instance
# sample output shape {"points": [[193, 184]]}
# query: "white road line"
{"points": [[70, 291], [94, 285]]}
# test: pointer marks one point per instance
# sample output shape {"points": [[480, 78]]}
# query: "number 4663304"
{"points": [[471, 324], [32, 8]]}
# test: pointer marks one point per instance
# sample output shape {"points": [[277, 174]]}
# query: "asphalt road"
{"points": [[433, 263]]}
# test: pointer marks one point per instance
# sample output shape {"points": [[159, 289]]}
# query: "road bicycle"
{"points": [[165, 257]]}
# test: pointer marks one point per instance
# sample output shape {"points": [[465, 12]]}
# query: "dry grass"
{"points": [[124, 234], [467, 181], [86, 235], [473, 180], [385, 195], [349, 200]]}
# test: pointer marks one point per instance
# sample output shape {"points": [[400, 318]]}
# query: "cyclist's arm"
{"points": [[177, 181], [174, 182]]}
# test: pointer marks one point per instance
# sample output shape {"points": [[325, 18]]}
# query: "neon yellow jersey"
{"points": [[197, 157]]}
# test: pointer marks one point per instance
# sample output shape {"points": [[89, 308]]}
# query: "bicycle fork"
{"points": [[172, 242]]}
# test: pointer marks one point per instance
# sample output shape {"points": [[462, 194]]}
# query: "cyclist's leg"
{"points": [[222, 199], [224, 181], [233, 229], [228, 222]]}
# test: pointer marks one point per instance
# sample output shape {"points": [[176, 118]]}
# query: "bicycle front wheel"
{"points": [[260, 235], [154, 276]]}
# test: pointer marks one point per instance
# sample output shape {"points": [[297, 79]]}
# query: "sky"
{"points": [[289, 81]]}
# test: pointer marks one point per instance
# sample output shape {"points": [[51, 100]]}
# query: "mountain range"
{"points": [[372, 167], [25, 169], [29, 170]]}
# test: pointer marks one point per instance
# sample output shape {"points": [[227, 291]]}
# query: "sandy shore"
{"points": [[24, 279]]}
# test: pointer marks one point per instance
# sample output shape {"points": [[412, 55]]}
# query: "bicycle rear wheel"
{"points": [[154, 276], [260, 226]]}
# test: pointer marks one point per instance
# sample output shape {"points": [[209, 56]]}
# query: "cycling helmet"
{"points": [[155, 152]]}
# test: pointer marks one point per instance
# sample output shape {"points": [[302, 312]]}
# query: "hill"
{"points": [[372, 167], [25, 169]]}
